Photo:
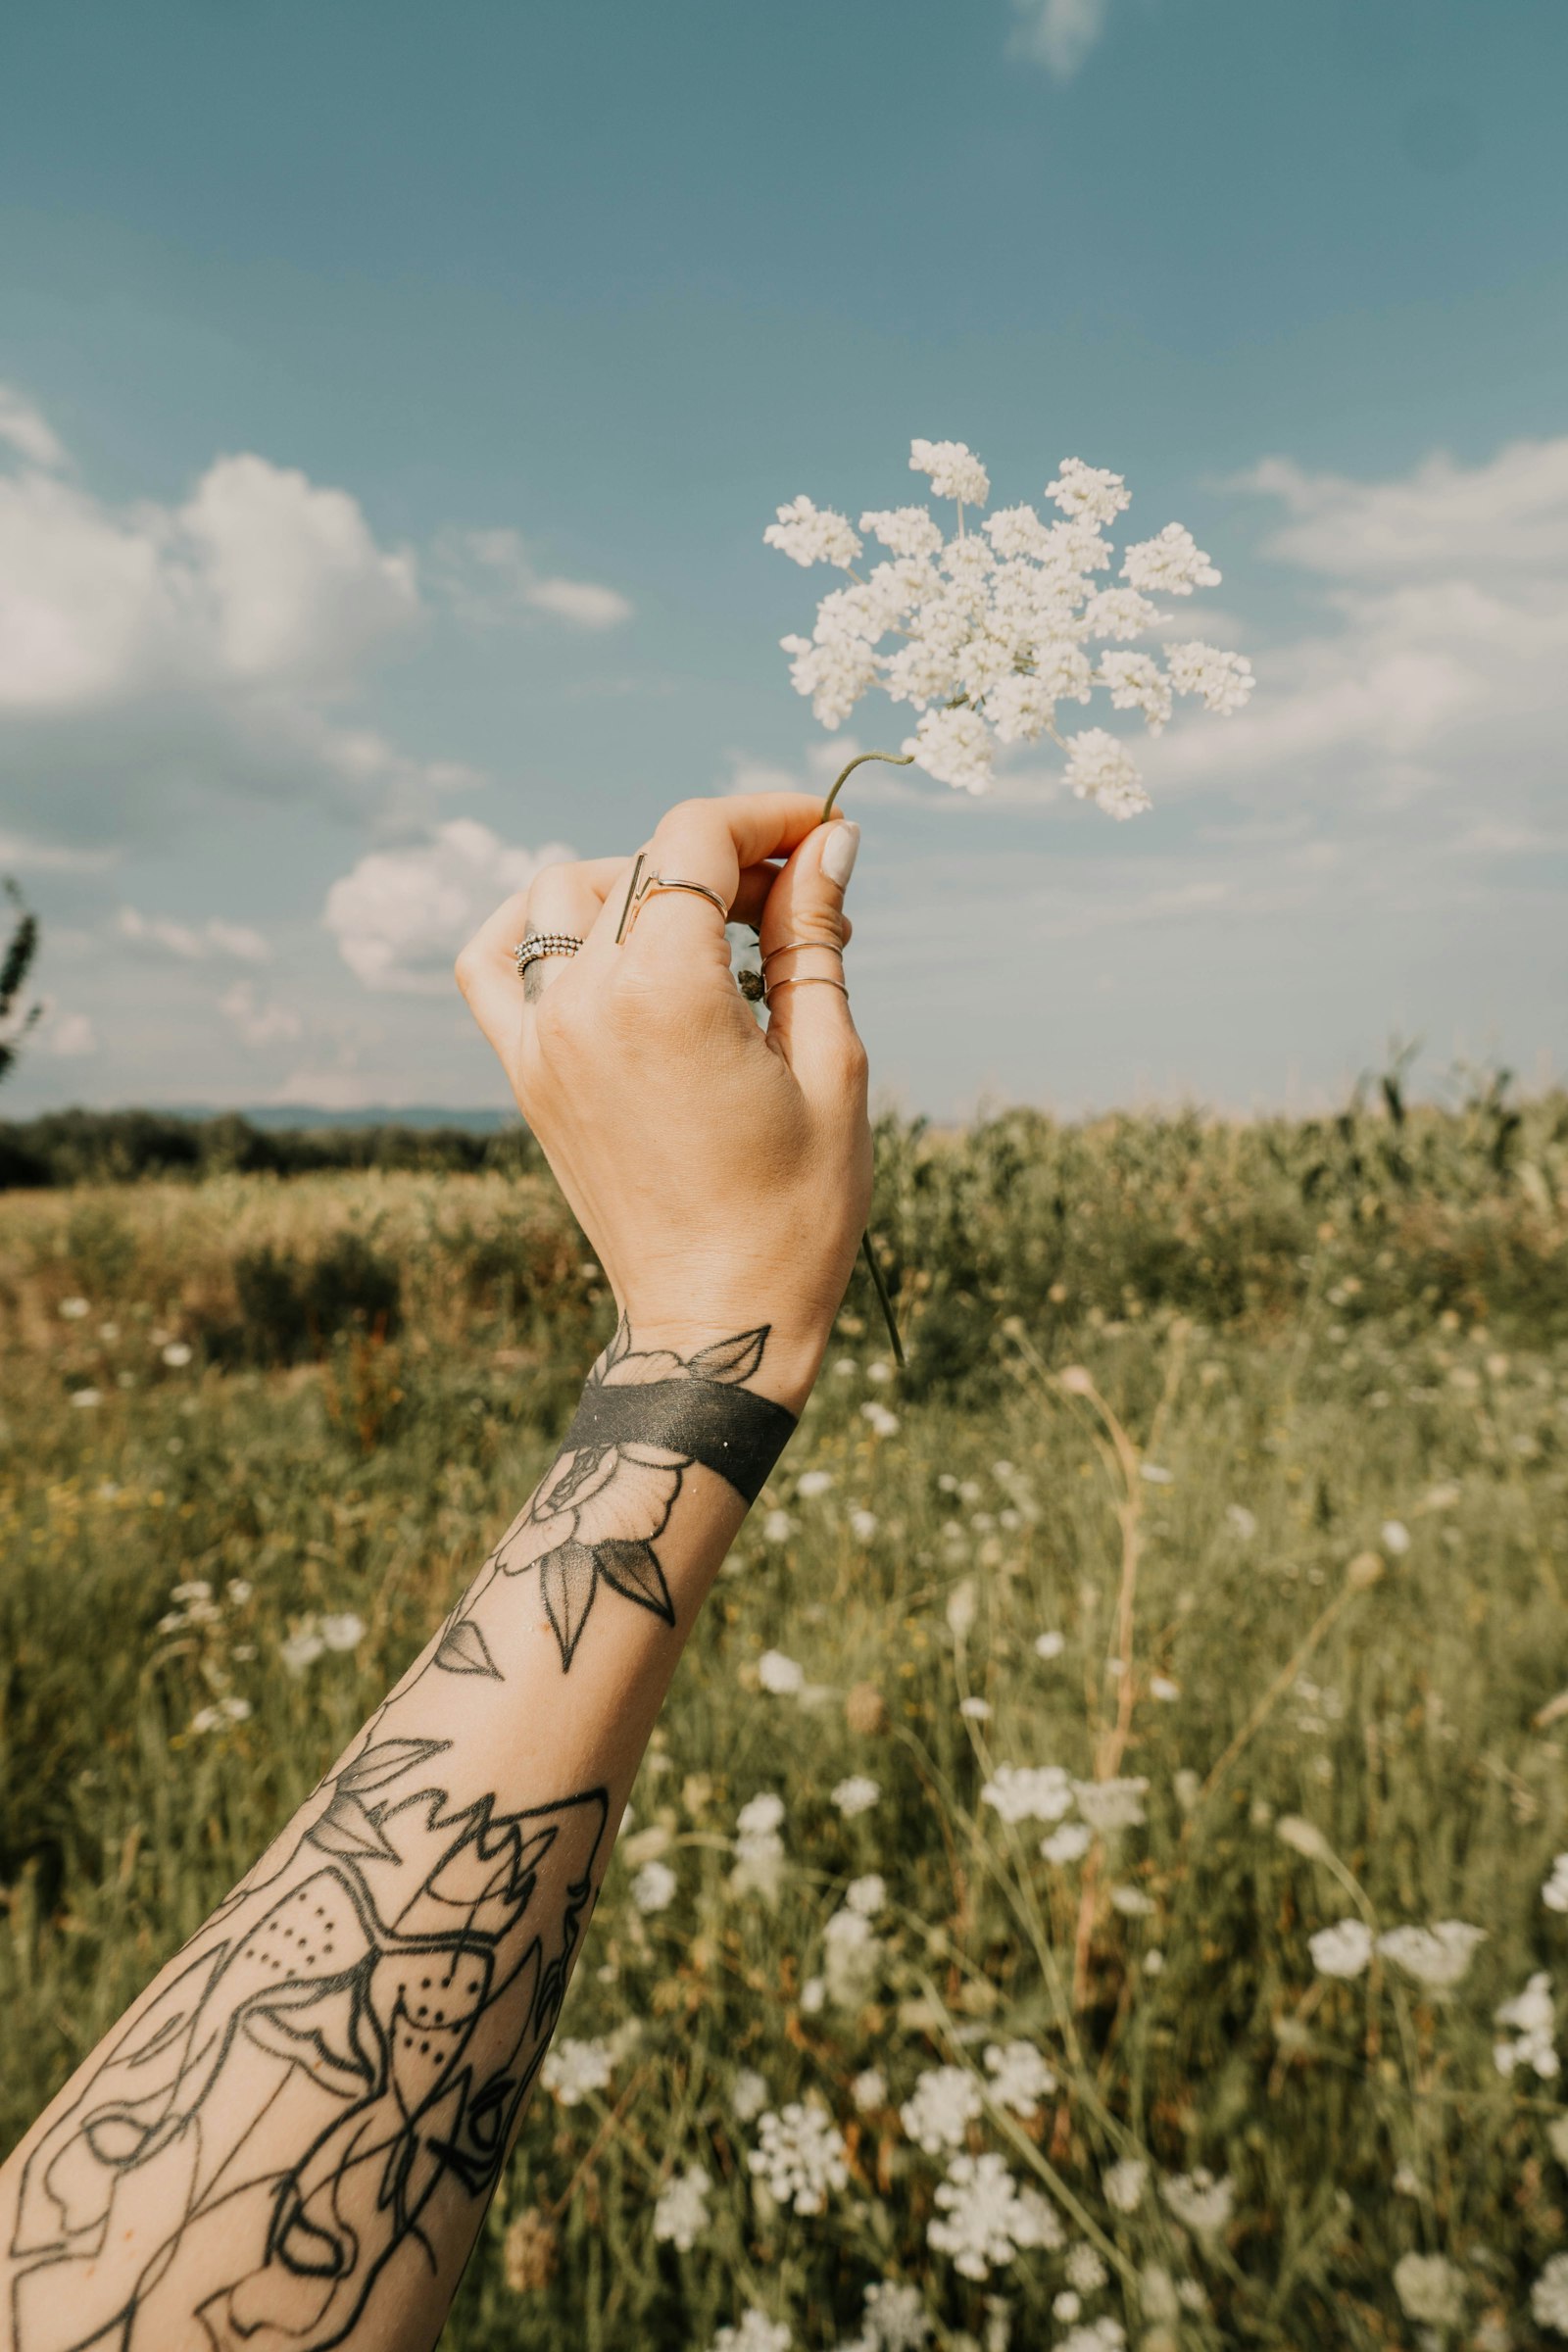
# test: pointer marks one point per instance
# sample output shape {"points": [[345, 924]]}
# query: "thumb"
{"points": [[801, 941]]}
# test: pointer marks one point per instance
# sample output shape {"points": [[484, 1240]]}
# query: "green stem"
{"points": [[893, 760]]}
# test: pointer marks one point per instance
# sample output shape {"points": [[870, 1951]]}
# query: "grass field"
{"points": [[1228, 1480]]}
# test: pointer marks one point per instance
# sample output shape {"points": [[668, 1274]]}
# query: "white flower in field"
{"points": [[800, 2156], [1132, 1903], [1066, 2306], [1406, 2181], [1153, 1961], [239, 1590], [748, 2094], [1067, 1844], [206, 1719], [1429, 2290], [680, 2209], [812, 1483], [954, 746], [1186, 1786], [176, 1355], [777, 1527], [985, 2217], [1395, 1537], [758, 1848], [857, 1794], [885, 1424], [242, 1652], [1028, 1791], [755, 2332], [344, 1631], [1098, 2335], [1161, 1686], [574, 2070], [1083, 2268], [85, 1399], [1111, 1805], [814, 1996], [866, 1894], [653, 1887], [863, 1525], [1088, 493], [962, 1608], [1241, 1521], [1168, 564], [1020, 2079], [1548, 2297], [195, 1588], [1100, 768], [1342, 1950], [1222, 681], [1158, 2290], [811, 535], [1304, 1838], [869, 2090], [238, 1711], [975, 1711], [302, 1649], [1554, 1894], [74, 1310], [780, 1676], [879, 1369], [1124, 2183], [904, 530], [945, 2102], [762, 1816], [1438, 1955], [852, 1958], [1533, 2020], [895, 2318], [1199, 2202], [955, 472], [1154, 1474], [1049, 1646]]}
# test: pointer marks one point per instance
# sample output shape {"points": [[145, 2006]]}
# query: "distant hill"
{"points": [[275, 1117]]}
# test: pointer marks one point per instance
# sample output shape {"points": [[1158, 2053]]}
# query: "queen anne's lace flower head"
{"points": [[1438, 1955], [986, 632], [945, 2102], [680, 2209], [984, 2216], [800, 2157]]}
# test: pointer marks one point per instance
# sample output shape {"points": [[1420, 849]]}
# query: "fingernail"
{"points": [[839, 851]]}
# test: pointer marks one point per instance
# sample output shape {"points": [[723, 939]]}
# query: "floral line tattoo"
{"points": [[646, 1418]]}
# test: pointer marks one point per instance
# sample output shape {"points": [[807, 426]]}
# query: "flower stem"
{"points": [[893, 760]]}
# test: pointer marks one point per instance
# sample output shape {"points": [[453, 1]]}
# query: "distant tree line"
{"points": [[120, 1146]]}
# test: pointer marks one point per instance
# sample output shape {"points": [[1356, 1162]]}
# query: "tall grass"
{"points": [[1268, 1425]]}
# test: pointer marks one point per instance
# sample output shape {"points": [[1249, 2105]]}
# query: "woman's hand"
{"points": [[723, 1173]]}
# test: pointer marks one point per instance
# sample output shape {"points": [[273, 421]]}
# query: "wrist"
{"points": [[787, 1348]]}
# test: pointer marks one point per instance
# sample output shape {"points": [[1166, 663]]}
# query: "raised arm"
{"points": [[290, 2140]]}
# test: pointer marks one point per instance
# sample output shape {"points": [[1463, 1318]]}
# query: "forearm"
{"points": [[292, 2137]]}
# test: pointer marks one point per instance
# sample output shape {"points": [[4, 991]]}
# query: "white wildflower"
{"points": [[975, 1711], [985, 2217], [1089, 492], [1429, 2290], [1020, 2079], [1548, 2297], [954, 471], [895, 2318], [852, 1955], [195, 1588], [811, 535], [1241, 1520], [758, 1848], [812, 1483], [1531, 2017], [653, 1887], [904, 530], [206, 1719], [945, 2102], [962, 1608], [866, 1894], [1066, 2306], [1029, 1791], [857, 1794], [869, 2090], [1223, 681], [755, 2332], [1111, 1805], [1049, 1646], [85, 1399], [1554, 1894], [1083, 2268], [1169, 564], [1097, 2335], [1395, 1537], [882, 1422], [1132, 1903], [680, 2209], [1199, 2202], [1067, 1844], [954, 746], [574, 2070], [176, 1355], [780, 1676], [1438, 1955], [863, 1525], [342, 1631], [74, 1310], [1342, 1950], [302, 1649], [1302, 1838], [239, 1590], [800, 2156], [1154, 1474], [748, 2094], [1161, 1686], [234, 1709], [1124, 2183], [1101, 768]]}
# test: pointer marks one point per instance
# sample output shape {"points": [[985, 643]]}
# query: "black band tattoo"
{"points": [[646, 1418]]}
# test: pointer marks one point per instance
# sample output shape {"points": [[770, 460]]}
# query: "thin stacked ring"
{"points": [[541, 944]]}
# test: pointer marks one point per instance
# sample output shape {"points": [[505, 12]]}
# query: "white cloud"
{"points": [[259, 1024], [1508, 514], [400, 915], [24, 430], [1058, 34], [70, 1035], [489, 579], [193, 941]]}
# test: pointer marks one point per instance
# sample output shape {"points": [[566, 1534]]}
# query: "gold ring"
{"points": [[831, 946], [807, 980], [643, 885]]}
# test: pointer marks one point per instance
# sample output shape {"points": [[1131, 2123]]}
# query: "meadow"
{"points": [[1097, 1879]]}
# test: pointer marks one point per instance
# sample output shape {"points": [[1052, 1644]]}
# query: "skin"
{"points": [[290, 2140]]}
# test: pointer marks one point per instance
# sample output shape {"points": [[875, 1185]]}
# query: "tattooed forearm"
{"points": [[290, 2144], [647, 1418]]}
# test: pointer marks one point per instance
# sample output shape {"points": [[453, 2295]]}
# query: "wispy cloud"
{"points": [[193, 942], [1058, 34], [400, 915], [490, 579]]}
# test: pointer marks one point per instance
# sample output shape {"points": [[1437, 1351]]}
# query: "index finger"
{"points": [[707, 842]]}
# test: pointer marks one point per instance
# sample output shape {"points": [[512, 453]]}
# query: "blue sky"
{"points": [[455, 359]]}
